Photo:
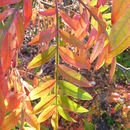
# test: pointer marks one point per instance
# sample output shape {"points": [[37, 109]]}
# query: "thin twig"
{"points": [[124, 70]]}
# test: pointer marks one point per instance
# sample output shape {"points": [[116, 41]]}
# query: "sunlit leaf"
{"points": [[72, 40], [48, 12], [42, 58], [74, 91], [73, 59], [34, 16], [44, 36], [45, 102], [120, 35], [6, 54], [119, 7], [102, 57], [98, 47], [2, 108], [101, 2], [71, 105], [42, 89], [113, 67], [7, 2], [47, 113], [7, 12], [13, 100], [54, 120], [19, 28], [11, 120], [32, 119], [3, 82], [73, 77], [68, 20], [91, 39], [27, 12], [64, 114]]}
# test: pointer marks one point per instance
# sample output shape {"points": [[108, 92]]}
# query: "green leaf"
{"points": [[71, 105], [42, 58], [74, 91], [64, 114]]}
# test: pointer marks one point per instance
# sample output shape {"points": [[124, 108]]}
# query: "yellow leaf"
{"points": [[120, 34], [32, 119], [42, 58], [42, 89], [46, 113], [73, 77], [44, 103]]}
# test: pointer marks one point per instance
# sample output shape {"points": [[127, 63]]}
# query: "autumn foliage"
{"points": [[79, 39]]}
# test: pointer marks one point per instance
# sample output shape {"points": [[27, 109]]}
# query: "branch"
{"points": [[124, 69]]}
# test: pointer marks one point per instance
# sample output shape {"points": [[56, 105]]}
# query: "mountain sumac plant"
{"points": [[76, 38]]}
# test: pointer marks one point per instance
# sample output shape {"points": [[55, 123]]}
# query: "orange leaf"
{"points": [[119, 7], [27, 12], [73, 59], [13, 100], [42, 89], [68, 20], [44, 36], [92, 38], [113, 67], [2, 108], [73, 77], [3, 82], [102, 57], [7, 12], [72, 40], [48, 12], [83, 25], [34, 16], [19, 28], [8, 2], [97, 48], [6, 54], [11, 120], [46, 113]]}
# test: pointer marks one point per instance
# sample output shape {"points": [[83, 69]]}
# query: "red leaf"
{"points": [[27, 12], [44, 36], [7, 2], [101, 2], [48, 12], [7, 12], [6, 54], [19, 28], [113, 67], [68, 20], [73, 59]]}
